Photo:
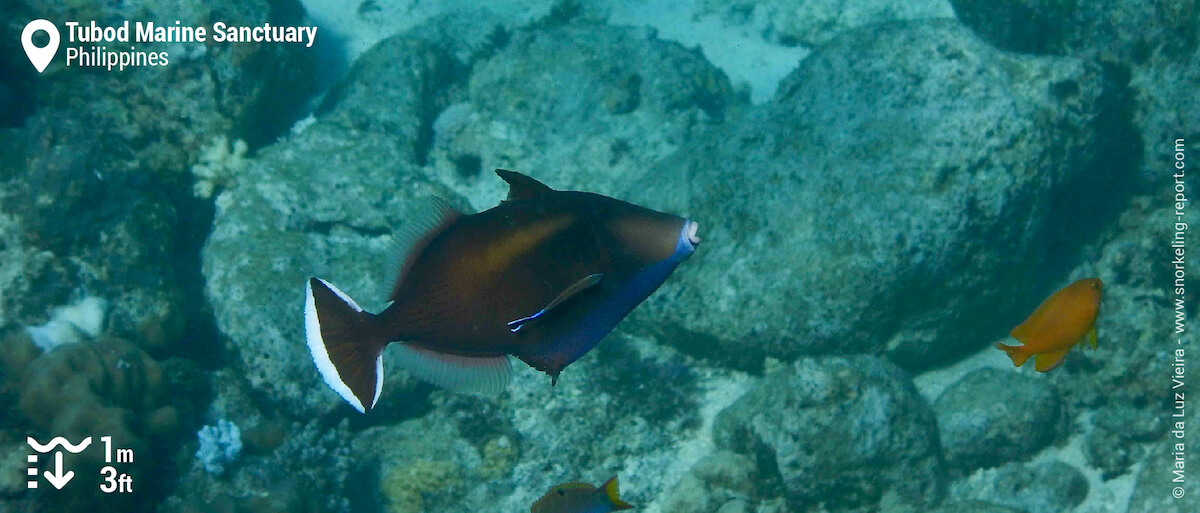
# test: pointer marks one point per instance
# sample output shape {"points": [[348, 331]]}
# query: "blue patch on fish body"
{"points": [[605, 507], [609, 311]]}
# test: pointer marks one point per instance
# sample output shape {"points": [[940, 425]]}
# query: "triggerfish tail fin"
{"points": [[345, 344], [614, 495], [483, 375], [1015, 353], [1091, 336], [1045, 362]]}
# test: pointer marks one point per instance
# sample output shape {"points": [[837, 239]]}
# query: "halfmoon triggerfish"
{"points": [[543, 276]]}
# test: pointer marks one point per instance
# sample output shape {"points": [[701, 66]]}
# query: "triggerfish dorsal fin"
{"points": [[521, 187], [614, 495], [430, 219], [572, 291]]}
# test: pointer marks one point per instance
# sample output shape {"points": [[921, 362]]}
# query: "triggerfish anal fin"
{"points": [[1045, 362], [482, 375], [521, 187], [573, 290]]}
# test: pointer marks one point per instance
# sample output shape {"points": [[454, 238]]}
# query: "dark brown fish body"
{"points": [[581, 498], [543, 276]]}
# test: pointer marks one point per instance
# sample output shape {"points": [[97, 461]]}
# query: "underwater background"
{"points": [[885, 188]]}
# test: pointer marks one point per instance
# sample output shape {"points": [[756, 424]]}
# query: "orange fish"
{"points": [[1064, 319]]}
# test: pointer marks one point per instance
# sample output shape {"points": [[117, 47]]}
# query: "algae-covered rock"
{"points": [[423, 464], [162, 115], [1157, 489], [96, 167], [895, 196], [993, 416], [1118, 437], [1165, 113], [724, 481], [580, 107], [1112, 30], [1045, 486], [75, 220], [814, 22], [973, 507], [311, 469], [843, 432], [1151, 51]]}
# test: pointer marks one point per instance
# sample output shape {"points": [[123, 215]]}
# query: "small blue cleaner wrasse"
{"points": [[543, 276], [581, 498]]}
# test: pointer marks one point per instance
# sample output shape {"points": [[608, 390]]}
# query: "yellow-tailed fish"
{"points": [[581, 498]]}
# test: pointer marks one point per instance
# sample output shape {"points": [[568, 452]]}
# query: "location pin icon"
{"points": [[40, 57]]}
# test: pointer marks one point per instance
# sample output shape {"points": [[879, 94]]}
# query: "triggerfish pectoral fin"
{"points": [[572, 291], [1045, 362]]}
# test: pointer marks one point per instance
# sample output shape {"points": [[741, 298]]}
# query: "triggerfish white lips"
{"points": [[690, 228], [688, 239]]}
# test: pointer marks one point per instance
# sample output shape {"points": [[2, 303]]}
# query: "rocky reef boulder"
{"points": [[814, 22], [994, 416], [579, 107], [1151, 51], [1049, 485], [897, 196], [840, 432]]}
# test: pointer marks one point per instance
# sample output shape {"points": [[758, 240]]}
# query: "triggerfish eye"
{"points": [[543, 276]]}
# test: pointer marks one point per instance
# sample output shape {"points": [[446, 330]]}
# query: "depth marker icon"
{"points": [[58, 478]]}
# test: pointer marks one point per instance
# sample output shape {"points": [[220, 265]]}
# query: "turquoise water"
{"points": [[883, 190]]}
